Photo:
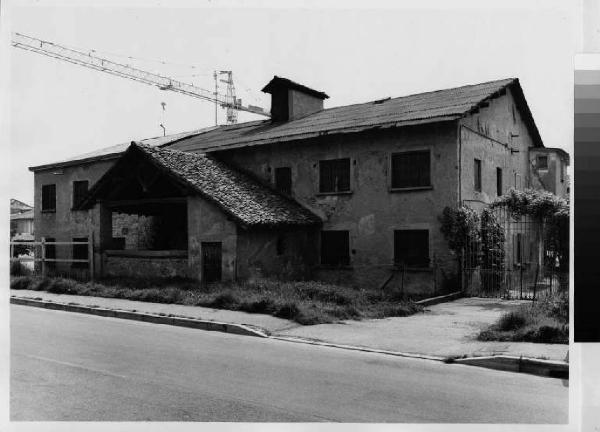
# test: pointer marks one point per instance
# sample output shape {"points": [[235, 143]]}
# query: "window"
{"points": [[411, 169], [411, 248], [283, 180], [542, 162], [499, 181], [335, 247], [334, 175], [80, 189], [477, 175], [80, 251], [49, 198]]}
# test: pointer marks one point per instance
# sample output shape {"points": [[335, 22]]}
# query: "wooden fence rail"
{"points": [[43, 259]]}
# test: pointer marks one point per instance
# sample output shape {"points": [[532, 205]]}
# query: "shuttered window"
{"points": [[334, 175], [335, 247], [411, 248], [411, 169], [49, 198], [283, 180], [80, 190], [477, 175]]}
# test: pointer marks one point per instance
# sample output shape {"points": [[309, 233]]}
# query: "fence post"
{"points": [[12, 250], [91, 255], [43, 244]]}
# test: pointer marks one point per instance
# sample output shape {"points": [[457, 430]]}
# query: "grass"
{"points": [[306, 302], [542, 321]]}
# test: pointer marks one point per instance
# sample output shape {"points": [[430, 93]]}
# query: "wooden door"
{"points": [[211, 261]]}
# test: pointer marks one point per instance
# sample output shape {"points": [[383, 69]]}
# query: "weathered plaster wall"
{"points": [[145, 267], [65, 224], [371, 212], [207, 223], [498, 136], [258, 258]]}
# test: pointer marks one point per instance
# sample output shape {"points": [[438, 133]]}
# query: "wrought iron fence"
{"points": [[523, 265]]}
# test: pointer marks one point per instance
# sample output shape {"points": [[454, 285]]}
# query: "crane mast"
{"points": [[89, 60]]}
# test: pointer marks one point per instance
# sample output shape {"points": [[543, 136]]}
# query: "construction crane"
{"points": [[89, 60]]}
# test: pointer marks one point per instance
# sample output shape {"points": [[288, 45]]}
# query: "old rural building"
{"points": [[348, 194]]}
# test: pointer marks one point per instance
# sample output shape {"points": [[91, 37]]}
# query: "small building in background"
{"points": [[21, 221], [549, 167]]}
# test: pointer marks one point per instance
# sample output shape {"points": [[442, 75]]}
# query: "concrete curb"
{"points": [[549, 368], [440, 299], [359, 348], [239, 329]]}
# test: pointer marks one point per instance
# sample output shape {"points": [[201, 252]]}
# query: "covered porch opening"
{"points": [[142, 220]]}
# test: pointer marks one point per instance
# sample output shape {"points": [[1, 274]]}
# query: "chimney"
{"points": [[290, 100]]}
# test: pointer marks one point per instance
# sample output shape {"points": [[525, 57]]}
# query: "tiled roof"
{"points": [[113, 152], [237, 194], [449, 104]]}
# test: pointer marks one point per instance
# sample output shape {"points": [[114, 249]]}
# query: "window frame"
{"points": [[425, 261], [345, 260], [45, 209], [74, 201], [336, 190], [393, 188], [477, 175]]}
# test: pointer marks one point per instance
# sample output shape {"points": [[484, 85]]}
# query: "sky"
{"points": [[353, 52]]}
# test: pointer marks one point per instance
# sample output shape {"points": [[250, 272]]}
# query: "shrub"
{"points": [[225, 300], [511, 321], [259, 306], [18, 269], [21, 283], [288, 311]]}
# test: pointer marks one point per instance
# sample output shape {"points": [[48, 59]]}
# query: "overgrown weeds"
{"points": [[543, 321], [306, 302]]}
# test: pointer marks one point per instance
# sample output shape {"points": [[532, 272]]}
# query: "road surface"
{"points": [[70, 366]]}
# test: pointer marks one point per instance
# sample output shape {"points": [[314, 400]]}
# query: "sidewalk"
{"points": [[442, 330]]}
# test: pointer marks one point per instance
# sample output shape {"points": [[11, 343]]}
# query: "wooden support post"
{"points": [[91, 255], [43, 244]]}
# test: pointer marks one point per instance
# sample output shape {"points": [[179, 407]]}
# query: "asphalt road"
{"points": [[69, 366]]}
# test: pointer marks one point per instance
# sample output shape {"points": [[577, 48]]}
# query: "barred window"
{"points": [[335, 247], [49, 198], [411, 247], [283, 180], [411, 169], [334, 175]]}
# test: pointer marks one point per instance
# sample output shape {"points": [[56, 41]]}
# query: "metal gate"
{"points": [[512, 258]]}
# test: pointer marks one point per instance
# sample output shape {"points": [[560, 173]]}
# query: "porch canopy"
{"points": [[155, 182]]}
